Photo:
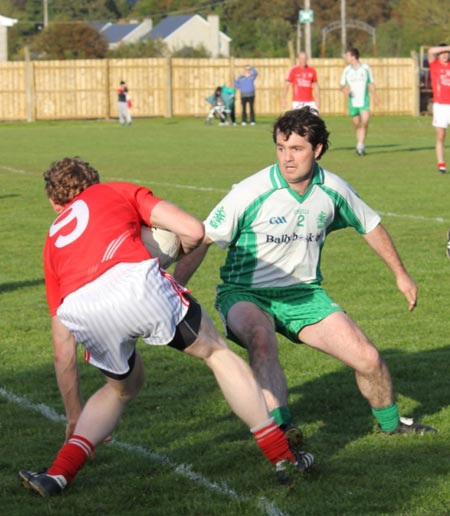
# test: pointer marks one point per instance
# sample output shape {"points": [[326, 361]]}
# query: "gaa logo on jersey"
{"points": [[277, 220]]}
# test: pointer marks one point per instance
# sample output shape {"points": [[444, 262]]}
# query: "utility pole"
{"points": [[308, 32], [45, 13], [343, 27]]}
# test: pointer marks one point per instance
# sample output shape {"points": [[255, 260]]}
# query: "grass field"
{"points": [[178, 449]]}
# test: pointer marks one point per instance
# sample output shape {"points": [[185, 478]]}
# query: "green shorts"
{"points": [[292, 308], [356, 111]]}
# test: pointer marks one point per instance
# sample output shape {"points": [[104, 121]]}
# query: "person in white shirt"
{"points": [[357, 84], [274, 225]]}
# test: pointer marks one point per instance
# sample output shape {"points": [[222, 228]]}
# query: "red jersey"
{"points": [[98, 229], [302, 79], [440, 81]]}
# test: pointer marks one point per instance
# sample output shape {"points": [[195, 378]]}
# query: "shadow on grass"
{"points": [[384, 149], [8, 196], [333, 404], [180, 414], [15, 285]]}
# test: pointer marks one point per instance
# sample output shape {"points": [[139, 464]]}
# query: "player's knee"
{"points": [[134, 381], [261, 344], [372, 361]]}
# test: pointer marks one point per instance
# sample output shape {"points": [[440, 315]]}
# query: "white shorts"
{"points": [[128, 301], [298, 104], [441, 115]]}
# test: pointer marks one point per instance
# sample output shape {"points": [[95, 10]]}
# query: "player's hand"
{"points": [[408, 288]]}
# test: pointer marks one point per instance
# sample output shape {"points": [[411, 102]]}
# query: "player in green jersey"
{"points": [[274, 224], [357, 84]]}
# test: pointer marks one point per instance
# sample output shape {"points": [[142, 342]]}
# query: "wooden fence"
{"points": [[166, 87]]}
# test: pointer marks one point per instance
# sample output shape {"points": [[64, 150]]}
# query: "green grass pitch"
{"points": [[178, 449]]}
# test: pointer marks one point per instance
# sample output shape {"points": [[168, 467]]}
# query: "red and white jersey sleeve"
{"points": [[97, 230]]}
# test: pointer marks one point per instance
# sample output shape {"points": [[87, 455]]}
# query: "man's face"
{"points": [[296, 157], [349, 57], [444, 57]]}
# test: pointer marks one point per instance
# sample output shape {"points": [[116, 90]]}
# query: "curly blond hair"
{"points": [[67, 178]]}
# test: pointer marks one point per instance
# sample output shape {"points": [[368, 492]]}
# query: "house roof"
{"points": [[169, 25], [100, 26], [7, 22], [115, 33]]}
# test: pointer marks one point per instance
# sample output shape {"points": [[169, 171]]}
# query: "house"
{"points": [[176, 31], [119, 33], [4, 24], [193, 30]]}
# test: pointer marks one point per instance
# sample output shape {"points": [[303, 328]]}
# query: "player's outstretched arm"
{"points": [[381, 242], [189, 228], [187, 265], [66, 369], [434, 51]]}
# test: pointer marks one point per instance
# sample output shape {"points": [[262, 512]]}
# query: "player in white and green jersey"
{"points": [[274, 224], [357, 83], [263, 221]]}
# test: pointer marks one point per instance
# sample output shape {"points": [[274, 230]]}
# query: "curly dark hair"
{"points": [[306, 123], [67, 178]]}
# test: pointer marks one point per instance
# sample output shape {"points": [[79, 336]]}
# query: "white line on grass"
{"points": [[183, 470], [14, 170], [223, 190]]}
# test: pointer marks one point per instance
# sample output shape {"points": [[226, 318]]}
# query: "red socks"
{"points": [[71, 457], [272, 441]]}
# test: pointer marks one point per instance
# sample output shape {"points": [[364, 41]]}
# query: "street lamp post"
{"points": [[343, 27], [45, 13]]}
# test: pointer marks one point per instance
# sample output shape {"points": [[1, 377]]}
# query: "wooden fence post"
{"points": [[107, 92], [29, 86], [169, 105]]}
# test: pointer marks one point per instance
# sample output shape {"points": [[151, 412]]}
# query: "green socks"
{"points": [[282, 416], [387, 417]]}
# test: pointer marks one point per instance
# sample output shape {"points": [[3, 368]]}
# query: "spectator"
{"points": [[229, 94], [220, 107], [246, 84], [123, 104]]}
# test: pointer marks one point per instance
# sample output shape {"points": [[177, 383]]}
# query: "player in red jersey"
{"points": [[305, 86], [439, 63], [104, 290]]}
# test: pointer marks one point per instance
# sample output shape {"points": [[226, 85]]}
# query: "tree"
{"points": [[78, 10], [192, 52], [413, 24], [68, 40], [144, 48]]}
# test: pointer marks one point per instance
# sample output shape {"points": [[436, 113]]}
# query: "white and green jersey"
{"points": [[358, 80], [275, 236]]}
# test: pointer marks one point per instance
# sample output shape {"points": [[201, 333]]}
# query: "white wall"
{"points": [[197, 31], [3, 43]]}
